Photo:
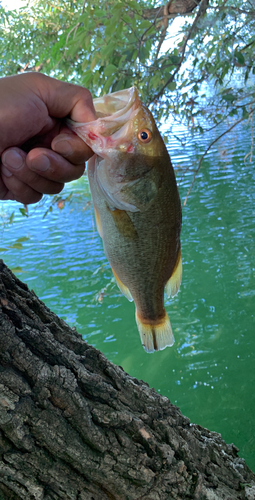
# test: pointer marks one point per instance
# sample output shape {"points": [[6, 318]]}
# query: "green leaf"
{"points": [[155, 81], [110, 69], [23, 212], [47, 211], [172, 86], [11, 217], [144, 54], [144, 25], [229, 97], [108, 30], [22, 239], [126, 18], [107, 49], [174, 59], [94, 62], [16, 269], [117, 7], [245, 113], [17, 246], [87, 79], [240, 58], [108, 84]]}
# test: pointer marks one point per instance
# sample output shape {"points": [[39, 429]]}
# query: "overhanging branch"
{"points": [[208, 149], [201, 10]]}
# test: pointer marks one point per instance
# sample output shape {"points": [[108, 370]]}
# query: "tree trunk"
{"points": [[75, 426]]}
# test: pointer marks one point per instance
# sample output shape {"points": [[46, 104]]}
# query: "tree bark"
{"points": [[171, 9], [75, 426]]}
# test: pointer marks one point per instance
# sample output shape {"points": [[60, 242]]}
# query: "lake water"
{"points": [[210, 371]]}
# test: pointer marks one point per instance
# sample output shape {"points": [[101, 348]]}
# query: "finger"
{"points": [[18, 190], [33, 103], [70, 146], [42, 169], [5, 194], [53, 166], [17, 174]]}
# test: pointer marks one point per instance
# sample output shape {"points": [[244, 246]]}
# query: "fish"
{"points": [[137, 208]]}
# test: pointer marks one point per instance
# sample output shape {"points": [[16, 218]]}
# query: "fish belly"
{"points": [[142, 249]]}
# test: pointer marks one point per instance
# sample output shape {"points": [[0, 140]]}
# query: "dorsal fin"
{"points": [[174, 282]]}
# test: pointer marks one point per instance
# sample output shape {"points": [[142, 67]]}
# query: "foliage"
{"points": [[18, 244], [203, 75]]}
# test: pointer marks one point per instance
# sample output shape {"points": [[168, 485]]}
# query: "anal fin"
{"points": [[174, 282], [155, 336], [123, 288]]}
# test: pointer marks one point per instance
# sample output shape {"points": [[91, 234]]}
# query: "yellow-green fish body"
{"points": [[137, 208]]}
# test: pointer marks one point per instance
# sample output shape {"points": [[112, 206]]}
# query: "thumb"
{"points": [[64, 99]]}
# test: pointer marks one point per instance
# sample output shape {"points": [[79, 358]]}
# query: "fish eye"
{"points": [[144, 135]]}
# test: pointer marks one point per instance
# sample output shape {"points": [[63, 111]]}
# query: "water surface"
{"points": [[209, 372]]}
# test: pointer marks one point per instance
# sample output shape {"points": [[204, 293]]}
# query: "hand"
{"points": [[38, 152]]}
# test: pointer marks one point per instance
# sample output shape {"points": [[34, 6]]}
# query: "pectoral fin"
{"points": [[123, 288], [155, 336], [174, 282], [98, 222], [123, 223]]}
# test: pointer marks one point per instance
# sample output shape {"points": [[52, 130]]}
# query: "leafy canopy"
{"points": [[111, 45]]}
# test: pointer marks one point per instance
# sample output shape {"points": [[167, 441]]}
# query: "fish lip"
{"points": [[110, 125], [107, 132], [112, 102]]}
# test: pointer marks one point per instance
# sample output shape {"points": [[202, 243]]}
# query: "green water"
{"points": [[209, 372]]}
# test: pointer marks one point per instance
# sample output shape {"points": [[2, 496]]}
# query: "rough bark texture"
{"points": [[171, 9], [75, 426]]}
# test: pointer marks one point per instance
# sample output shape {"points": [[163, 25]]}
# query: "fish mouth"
{"points": [[117, 103], [112, 130]]}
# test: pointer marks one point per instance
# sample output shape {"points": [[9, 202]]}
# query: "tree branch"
{"points": [[165, 26], [190, 32], [172, 8], [208, 149], [75, 426]]}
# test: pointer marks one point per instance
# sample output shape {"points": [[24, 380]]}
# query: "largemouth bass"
{"points": [[137, 208]]}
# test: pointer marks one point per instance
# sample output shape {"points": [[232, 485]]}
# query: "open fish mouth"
{"points": [[113, 127], [117, 103]]}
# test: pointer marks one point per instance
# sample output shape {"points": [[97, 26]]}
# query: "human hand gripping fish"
{"points": [[137, 208]]}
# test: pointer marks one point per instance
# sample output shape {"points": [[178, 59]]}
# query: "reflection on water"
{"points": [[209, 372]]}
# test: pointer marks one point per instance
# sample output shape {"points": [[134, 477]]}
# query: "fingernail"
{"points": [[40, 163], [5, 171], [62, 145], [12, 159]]}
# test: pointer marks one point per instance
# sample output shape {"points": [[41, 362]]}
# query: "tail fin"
{"points": [[156, 336]]}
